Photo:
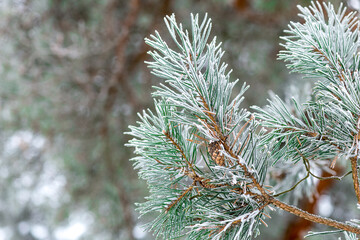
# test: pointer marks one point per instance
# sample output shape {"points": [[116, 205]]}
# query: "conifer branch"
{"points": [[228, 176]]}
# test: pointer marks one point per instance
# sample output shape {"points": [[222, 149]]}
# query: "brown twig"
{"points": [[179, 198], [242, 147], [214, 124], [355, 176], [241, 130], [179, 149], [314, 218]]}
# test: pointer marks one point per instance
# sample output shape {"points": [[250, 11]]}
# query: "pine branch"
{"points": [[308, 48], [218, 190], [266, 198]]}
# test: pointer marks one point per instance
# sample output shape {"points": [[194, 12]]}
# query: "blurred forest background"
{"points": [[72, 77]]}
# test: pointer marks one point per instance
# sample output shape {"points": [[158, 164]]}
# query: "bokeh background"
{"points": [[72, 78]]}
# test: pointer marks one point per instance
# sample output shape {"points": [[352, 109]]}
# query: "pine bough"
{"points": [[206, 160]]}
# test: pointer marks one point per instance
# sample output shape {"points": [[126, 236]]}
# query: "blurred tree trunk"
{"points": [[299, 227]]}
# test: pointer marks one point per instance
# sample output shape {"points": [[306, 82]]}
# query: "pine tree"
{"points": [[207, 160]]}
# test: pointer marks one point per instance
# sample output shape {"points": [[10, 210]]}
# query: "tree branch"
{"points": [[268, 198], [314, 218]]}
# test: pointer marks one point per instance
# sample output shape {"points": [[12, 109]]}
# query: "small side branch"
{"points": [[293, 187], [355, 176], [178, 199], [179, 149], [241, 130]]}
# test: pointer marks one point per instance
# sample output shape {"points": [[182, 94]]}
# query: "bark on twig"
{"points": [[355, 176], [314, 218]]}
